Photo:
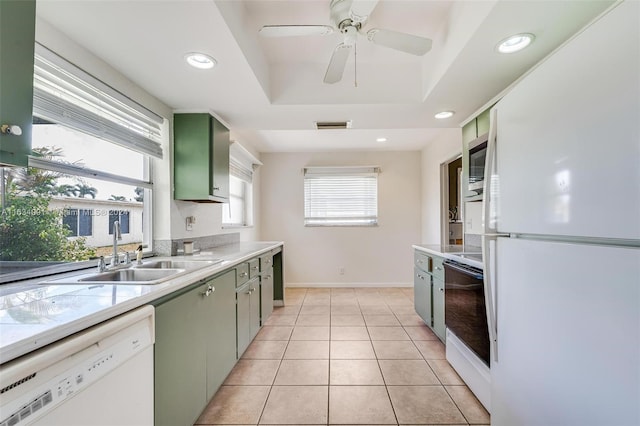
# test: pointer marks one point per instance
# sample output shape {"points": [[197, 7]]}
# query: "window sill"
{"points": [[237, 226]]}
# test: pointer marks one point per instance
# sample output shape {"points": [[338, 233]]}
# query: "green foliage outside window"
{"points": [[29, 230]]}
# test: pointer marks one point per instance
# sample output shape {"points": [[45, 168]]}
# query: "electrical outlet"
{"points": [[341, 270]]}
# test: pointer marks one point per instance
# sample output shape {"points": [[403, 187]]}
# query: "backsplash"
{"points": [[171, 247]]}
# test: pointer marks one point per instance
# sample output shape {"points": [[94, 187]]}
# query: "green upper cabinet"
{"points": [[482, 122], [469, 132], [200, 158], [17, 39]]}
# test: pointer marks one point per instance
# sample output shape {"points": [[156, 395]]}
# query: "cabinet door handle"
{"points": [[441, 289], [438, 268], [267, 277], [268, 261], [216, 188], [254, 268], [243, 274], [210, 289]]}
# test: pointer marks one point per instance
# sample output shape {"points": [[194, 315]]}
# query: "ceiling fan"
{"points": [[349, 17]]}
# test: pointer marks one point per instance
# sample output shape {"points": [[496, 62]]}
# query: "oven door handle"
{"points": [[465, 271]]}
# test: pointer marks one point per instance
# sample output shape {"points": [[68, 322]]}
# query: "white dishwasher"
{"points": [[100, 376]]}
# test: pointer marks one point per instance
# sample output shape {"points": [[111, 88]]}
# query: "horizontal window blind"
{"points": [[341, 196], [240, 170], [66, 95]]}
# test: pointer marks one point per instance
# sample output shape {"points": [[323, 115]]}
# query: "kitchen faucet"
{"points": [[117, 235]]}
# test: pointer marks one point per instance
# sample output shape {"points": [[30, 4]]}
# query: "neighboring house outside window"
{"points": [[79, 222], [102, 219], [121, 216]]}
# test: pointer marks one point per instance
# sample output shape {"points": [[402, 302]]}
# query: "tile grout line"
{"points": [[278, 370]]}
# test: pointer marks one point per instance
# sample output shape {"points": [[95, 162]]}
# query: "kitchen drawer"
{"points": [[254, 268], [423, 261], [242, 274], [438, 268], [266, 262]]}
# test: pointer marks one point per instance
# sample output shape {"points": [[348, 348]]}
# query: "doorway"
{"points": [[452, 210]]}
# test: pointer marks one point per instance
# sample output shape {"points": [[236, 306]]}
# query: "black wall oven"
{"points": [[464, 307]]}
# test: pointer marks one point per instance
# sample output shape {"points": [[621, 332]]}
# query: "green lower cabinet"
{"points": [[438, 308], [243, 321], [247, 313], [428, 291], [195, 349], [180, 387], [221, 344], [266, 294], [422, 294], [254, 307]]}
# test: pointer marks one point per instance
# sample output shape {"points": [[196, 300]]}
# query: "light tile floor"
{"points": [[344, 356]]}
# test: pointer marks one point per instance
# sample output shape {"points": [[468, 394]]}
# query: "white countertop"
{"points": [[459, 253], [33, 315]]}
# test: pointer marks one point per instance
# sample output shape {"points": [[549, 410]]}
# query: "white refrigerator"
{"points": [[562, 234]]}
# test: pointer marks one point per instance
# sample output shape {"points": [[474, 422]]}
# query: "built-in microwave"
{"points": [[477, 157]]}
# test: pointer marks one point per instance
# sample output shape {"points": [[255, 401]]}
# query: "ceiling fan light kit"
{"points": [[349, 17]]}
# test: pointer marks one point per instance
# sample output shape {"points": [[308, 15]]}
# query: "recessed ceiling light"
{"points": [[381, 139], [515, 43], [444, 114], [200, 60]]}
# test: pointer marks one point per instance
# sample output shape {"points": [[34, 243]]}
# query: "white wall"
{"points": [[379, 255], [443, 148]]}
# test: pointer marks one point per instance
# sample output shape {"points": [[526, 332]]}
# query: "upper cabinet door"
{"points": [[200, 158], [482, 122], [17, 39], [469, 132], [220, 161]]}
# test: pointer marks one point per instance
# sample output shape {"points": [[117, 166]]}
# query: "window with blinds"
{"points": [[238, 211], [341, 196], [67, 95]]}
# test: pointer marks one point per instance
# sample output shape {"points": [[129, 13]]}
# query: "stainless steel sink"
{"points": [[188, 265], [153, 272], [133, 275]]}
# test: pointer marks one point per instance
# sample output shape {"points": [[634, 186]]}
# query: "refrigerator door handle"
{"points": [[490, 291]]}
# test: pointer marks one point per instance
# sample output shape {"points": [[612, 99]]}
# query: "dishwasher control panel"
{"points": [[28, 399]]}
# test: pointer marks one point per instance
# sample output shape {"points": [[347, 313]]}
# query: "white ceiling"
{"points": [[270, 91]]}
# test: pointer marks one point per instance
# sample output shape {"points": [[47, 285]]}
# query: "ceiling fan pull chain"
{"points": [[355, 65]]}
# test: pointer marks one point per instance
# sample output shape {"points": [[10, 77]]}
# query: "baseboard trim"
{"points": [[348, 285]]}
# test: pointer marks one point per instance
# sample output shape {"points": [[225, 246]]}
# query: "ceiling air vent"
{"points": [[333, 125]]}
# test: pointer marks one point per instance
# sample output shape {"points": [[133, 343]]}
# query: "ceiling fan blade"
{"points": [[408, 43], [337, 64], [361, 9], [295, 30]]}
